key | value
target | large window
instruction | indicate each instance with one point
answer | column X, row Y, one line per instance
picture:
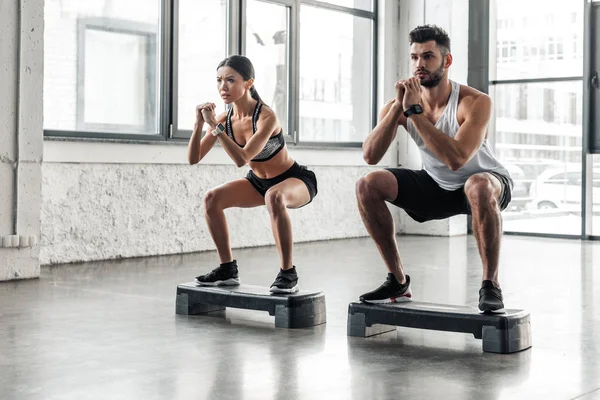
column 102, row 70
column 202, row 44
column 267, row 46
column 538, row 96
column 335, row 66
column 137, row 69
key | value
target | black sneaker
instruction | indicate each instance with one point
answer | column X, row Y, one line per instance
column 490, row 298
column 286, row 282
column 389, row 292
column 224, row 275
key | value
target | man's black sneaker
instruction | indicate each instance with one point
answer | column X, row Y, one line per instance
column 286, row 281
column 224, row 275
column 389, row 292
column 490, row 298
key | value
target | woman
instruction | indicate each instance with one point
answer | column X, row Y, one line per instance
column 250, row 134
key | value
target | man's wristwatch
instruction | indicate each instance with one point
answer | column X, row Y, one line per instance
column 220, row 128
column 414, row 109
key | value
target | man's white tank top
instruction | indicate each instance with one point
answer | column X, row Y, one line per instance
column 482, row 161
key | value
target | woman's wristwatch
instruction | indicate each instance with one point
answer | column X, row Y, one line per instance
column 220, row 128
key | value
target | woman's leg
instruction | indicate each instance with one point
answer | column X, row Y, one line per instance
column 238, row 193
column 291, row 193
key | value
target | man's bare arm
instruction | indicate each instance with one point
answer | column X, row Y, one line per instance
column 456, row 152
column 381, row 137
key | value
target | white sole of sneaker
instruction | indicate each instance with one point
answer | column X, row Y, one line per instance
column 402, row 299
column 274, row 289
column 498, row 311
column 227, row 282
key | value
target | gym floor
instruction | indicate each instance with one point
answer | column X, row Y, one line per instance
column 108, row 330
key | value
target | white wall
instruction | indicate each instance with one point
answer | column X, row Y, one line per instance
column 21, row 78
column 139, row 207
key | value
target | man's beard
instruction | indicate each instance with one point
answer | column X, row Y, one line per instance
column 434, row 79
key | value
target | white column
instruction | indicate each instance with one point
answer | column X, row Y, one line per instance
column 452, row 16
column 21, row 136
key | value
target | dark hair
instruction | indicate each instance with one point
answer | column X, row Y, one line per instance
column 425, row 33
column 244, row 67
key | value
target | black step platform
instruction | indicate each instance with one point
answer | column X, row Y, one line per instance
column 500, row 333
column 297, row 310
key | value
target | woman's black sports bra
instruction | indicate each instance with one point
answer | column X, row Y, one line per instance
column 273, row 145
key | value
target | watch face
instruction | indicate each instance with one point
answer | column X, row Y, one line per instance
column 221, row 127
column 418, row 108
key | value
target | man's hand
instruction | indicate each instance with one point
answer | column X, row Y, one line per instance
column 399, row 92
column 412, row 92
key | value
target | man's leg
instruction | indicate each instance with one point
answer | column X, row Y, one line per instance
column 483, row 192
column 372, row 192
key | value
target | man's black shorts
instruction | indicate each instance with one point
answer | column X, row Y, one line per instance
column 423, row 199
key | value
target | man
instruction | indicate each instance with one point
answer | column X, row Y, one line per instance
column 460, row 174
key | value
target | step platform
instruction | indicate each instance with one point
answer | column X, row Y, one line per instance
column 302, row 309
column 500, row 333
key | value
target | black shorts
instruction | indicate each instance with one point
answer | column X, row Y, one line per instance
column 295, row 171
column 424, row 200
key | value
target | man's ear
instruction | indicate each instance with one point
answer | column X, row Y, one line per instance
column 448, row 60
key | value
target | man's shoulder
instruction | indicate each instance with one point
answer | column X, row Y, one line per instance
column 470, row 93
column 469, row 96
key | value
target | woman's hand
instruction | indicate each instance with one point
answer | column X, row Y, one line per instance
column 203, row 113
column 207, row 113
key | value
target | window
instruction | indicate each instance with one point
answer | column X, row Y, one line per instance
column 539, row 129
column 137, row 69
column 102, row 70
column 202, row 44
column 116, row 85
column 340, row 57
column 546, row 53
column 267, row 46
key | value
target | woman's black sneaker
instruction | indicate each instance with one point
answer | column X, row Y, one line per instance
column 224, row 275
column 389, row 292
column 490, row 298
column 286, row 281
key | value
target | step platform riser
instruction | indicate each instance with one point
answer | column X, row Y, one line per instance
column 500, row 333
column 302, row 309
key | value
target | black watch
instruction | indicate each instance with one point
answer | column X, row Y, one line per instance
column 414, row 109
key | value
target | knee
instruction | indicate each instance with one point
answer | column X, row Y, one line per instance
column 211, row 200
column 480, row 192
column 366, row 188
column 275, row 202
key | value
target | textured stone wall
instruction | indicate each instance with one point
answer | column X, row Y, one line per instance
column 104, row 211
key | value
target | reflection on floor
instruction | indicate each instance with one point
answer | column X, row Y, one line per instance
column 108, row 330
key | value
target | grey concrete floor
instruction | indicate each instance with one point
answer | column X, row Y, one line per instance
column 108, row 330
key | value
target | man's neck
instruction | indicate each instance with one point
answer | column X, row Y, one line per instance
column 437, row 97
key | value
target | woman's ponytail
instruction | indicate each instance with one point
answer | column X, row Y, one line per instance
column 254, row 94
